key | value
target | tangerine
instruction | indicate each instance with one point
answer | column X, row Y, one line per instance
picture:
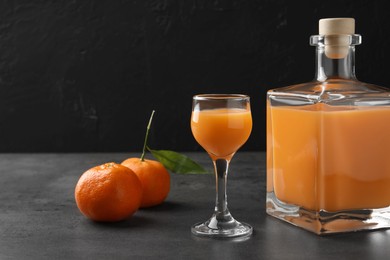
column 108, row 192
column 154, row 177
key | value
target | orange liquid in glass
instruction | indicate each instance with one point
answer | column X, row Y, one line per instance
column 221, row 132
column 330, row 158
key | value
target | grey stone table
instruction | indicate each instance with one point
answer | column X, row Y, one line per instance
column 39, row 218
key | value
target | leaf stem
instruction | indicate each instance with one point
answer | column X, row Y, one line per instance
column 146, row 136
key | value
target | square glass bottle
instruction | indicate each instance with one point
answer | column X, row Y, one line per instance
column 328, row 143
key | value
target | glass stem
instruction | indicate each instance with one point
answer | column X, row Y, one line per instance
column 221, row 167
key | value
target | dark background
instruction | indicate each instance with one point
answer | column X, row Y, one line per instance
column 84, row 76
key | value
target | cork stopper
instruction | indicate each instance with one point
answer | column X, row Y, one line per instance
column 336, row 26
column 336, row 32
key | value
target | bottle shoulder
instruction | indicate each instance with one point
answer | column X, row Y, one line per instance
column 334, row 91
column 331, row 86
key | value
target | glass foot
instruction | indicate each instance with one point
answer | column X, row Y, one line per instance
column 221, row 228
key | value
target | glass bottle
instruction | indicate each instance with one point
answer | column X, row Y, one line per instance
column 328, row 142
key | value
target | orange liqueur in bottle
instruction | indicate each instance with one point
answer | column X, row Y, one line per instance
column 328, row 142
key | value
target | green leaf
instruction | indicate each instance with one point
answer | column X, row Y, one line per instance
column 177, row 163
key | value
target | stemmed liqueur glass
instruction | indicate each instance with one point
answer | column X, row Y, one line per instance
column 221, row 124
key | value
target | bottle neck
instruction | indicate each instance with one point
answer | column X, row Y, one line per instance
column 328, row 67
column 335, row 56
